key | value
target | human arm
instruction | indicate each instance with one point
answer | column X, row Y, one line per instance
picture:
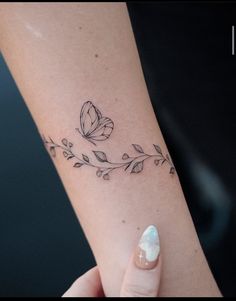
column 62, row 55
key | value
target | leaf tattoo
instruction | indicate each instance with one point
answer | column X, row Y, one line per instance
column 104, row 167
column 85, row 158
column 101, row 156
column 138, row 148
column 93, row 126
column 157, row 148
column 125, row 156
column 138, row 167
column 77, row 164
column 52, row 151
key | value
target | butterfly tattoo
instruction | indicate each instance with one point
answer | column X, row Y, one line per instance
column 94, row 126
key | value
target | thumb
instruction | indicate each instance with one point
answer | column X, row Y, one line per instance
column 142, row 277
column 88, row 285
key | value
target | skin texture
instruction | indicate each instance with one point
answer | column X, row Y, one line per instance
column 62, row 55
column 138, row 281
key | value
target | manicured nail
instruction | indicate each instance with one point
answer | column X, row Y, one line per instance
column 147, row 252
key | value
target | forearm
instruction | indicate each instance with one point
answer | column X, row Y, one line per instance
column 62, row 55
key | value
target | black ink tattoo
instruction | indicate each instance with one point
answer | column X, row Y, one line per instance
column 93, row 126
column 98, row 128
column 103, row 166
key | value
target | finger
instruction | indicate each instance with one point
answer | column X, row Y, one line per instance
column 142, row 277
column 88, row 285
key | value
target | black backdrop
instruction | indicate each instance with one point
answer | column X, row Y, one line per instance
column 185, row 50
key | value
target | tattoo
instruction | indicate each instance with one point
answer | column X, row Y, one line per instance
column 93, row 126
column 98, row 128
column 103, row 166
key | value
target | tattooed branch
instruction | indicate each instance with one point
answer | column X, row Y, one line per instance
column 103, row 166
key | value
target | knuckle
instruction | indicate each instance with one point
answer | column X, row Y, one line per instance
column 138, row 290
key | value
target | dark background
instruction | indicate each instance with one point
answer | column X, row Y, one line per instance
column 185, row 50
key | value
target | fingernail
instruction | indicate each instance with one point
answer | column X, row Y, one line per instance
column 148, row 249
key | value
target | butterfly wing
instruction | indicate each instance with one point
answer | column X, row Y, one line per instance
column 103, row 130
column 93, row 125
column 89, row 118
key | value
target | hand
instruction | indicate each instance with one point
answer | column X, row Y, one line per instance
column 142, row 276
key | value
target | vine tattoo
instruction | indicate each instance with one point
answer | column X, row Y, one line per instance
column 95, row 127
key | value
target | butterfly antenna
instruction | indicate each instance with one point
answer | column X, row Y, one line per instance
column 77, row 129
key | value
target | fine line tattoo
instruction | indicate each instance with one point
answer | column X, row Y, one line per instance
column 98, row 128
column 94, row 126
column 102, row 165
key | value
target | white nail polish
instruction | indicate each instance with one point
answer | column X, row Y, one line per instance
column 148, row 248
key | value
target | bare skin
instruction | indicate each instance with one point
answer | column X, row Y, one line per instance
column 141, row 278
column 64, row 54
